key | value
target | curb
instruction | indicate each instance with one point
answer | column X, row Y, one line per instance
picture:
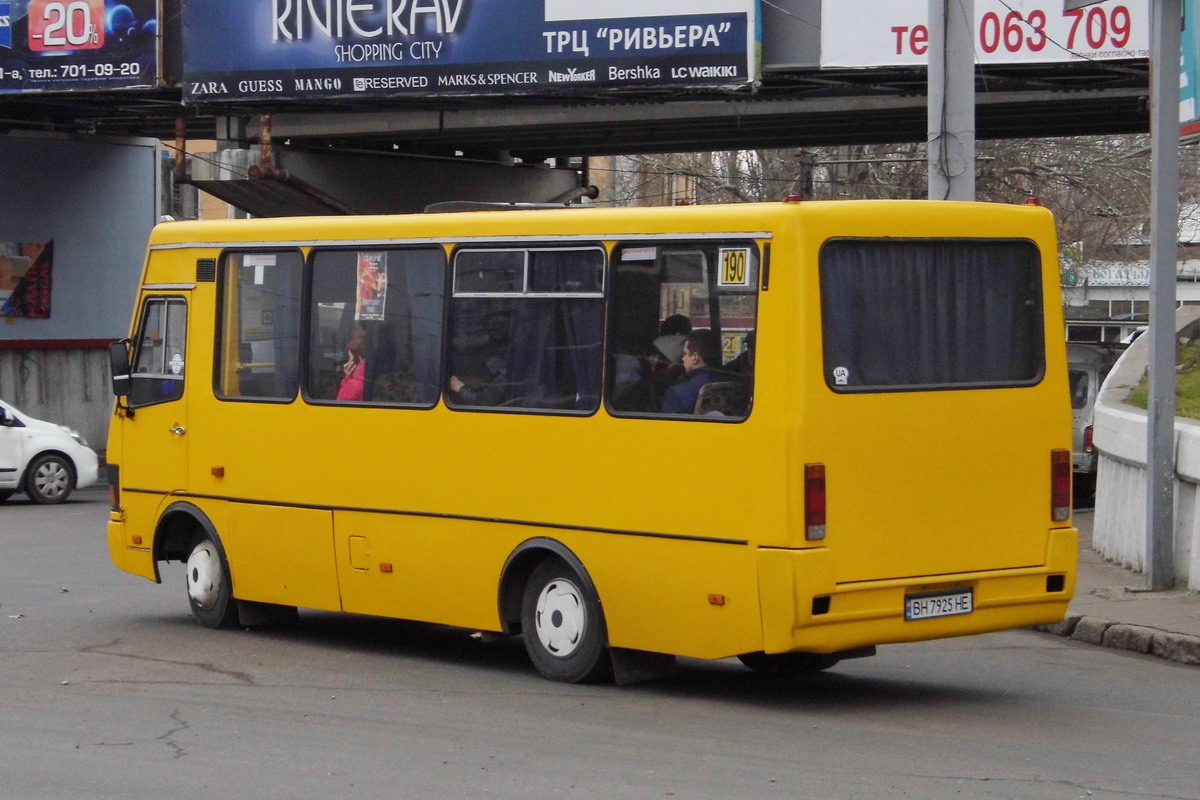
column 1178, row 647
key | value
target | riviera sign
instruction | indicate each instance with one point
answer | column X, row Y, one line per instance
column 298, row 49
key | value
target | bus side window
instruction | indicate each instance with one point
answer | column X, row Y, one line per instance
column 526, row 328
column 661, row 295
column 387, row 305
column 159, row 356
column 259, row 343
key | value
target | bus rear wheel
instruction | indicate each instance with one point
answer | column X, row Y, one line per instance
column 785, row 665
column 210, row 591
column 563, row 625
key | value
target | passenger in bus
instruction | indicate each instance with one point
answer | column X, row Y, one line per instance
column 664, row 360
column 485, row 392
column 631, row 377
column 671, row 333
column 354, row 371
column 700, row 350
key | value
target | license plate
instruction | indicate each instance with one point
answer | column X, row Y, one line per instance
column 938, row 604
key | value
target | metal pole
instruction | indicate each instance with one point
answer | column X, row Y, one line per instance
column 1166, row 16
column 951, row 121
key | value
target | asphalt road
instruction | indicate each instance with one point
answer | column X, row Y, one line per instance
column 109, row 690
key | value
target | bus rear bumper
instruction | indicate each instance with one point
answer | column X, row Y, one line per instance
column 820, row 616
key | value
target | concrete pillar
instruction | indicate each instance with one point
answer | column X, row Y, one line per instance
column 951, row 121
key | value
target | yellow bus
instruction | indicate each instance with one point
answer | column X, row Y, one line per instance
column 784, row 432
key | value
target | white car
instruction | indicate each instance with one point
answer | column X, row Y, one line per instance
column 44, row 460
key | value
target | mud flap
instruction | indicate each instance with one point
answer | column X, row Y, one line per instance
column 632, row 666
column 265, row 615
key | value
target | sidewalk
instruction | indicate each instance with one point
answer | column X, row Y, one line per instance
column 1111, row 608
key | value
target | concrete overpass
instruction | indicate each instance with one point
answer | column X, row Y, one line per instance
column 796, row 104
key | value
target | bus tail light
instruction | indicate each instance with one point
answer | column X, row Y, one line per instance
column 1060, row 485
column 814, row 502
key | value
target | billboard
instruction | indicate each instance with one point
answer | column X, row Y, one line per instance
column 312, row 49
column 78, row 45
column 1189, row 70
column 870, row 33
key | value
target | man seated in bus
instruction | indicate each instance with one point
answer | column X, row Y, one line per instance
column 489, row 391
column 672, row 332
column 701, row 364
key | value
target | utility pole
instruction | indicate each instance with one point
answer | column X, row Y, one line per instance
column 1165, row 22
column 1166, row 19
column 951, row 121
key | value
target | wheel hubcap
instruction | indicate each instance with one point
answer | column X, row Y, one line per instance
column 204, row 575
column 561, row 618
column 50, row 480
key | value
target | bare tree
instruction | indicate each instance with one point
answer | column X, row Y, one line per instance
column 1097, row 187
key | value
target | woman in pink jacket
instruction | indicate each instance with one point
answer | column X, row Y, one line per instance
column 354, row 370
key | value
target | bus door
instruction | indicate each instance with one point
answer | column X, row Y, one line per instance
column 153, row 460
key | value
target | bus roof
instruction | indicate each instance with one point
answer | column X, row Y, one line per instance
column 870, row 217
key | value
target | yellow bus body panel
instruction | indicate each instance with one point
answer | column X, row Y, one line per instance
column 692, row 532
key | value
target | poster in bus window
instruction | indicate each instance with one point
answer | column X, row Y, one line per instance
column 25, row 279
column 372, row 286
column 255, row 302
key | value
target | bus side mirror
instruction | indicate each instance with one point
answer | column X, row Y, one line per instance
column 118, row 362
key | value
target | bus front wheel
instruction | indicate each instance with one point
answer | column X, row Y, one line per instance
column 210, row 591
column 563, row 625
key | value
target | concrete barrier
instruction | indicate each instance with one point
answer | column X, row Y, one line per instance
column 1120, row 438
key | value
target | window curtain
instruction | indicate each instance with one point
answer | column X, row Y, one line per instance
column 924, row 313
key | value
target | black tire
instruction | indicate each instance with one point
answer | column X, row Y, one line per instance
column 210, row 591
column 49, row 479
column 788, row 665
column 563, row 625
column 1084, row 485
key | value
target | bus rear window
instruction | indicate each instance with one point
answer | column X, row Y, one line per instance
column 905, row 314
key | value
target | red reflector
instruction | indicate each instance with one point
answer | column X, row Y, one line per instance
column 385, row 567
column 1060, row 485
column 1032, row 201
column 814, row 502
column 793, row 198
column 716, row 599
column 1087, row 439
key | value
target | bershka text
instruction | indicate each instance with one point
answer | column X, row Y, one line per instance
column 298, row 20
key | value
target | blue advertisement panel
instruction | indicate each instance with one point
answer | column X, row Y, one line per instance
column 1189, row 70
column 272, row 49
column 78, row 45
